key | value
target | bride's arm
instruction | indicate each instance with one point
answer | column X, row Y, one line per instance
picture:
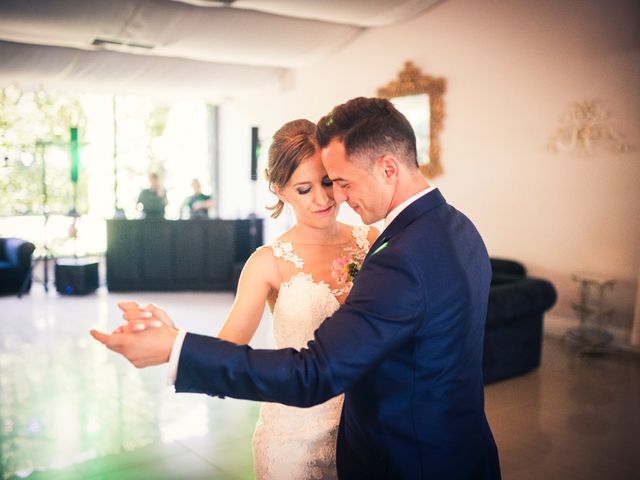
column 258, row 279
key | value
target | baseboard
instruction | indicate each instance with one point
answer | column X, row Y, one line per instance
column 557, row 326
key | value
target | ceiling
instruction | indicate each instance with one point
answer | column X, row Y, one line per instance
column 210, row 48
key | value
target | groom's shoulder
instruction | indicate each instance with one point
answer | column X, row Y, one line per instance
column 430, row 226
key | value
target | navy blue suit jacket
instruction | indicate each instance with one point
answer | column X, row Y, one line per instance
column 406, row 348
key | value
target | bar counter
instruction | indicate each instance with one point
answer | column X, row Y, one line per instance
column 174, row 255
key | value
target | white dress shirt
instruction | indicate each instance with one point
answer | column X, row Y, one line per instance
column 391, row 216
column 175, row 357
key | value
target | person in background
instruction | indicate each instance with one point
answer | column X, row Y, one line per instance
column 199, row 203
column 152, row 200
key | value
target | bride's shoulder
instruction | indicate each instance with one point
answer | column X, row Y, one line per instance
column 262, row 256
column 372, row 234
column 363, row 233
column 262, row 264
column 283, row 248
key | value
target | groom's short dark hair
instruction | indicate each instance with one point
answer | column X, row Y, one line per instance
column 368, row 128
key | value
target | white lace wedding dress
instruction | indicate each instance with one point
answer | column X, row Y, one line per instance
column 292, row 443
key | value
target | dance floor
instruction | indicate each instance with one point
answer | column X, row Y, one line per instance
column 70, row 409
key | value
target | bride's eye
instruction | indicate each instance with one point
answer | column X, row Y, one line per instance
column 304, row 191
column 326, row 182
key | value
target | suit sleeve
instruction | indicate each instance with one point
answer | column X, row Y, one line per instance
column 383, row 311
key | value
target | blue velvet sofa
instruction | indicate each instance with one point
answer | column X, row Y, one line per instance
column 15, row 265
column 513, row 332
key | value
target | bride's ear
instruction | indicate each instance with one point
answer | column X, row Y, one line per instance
column 280, row 194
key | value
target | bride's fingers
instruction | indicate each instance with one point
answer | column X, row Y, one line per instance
column 138, row 326
column 132, row 312
column 128, row 306
column 133, row 315
column 158, row 313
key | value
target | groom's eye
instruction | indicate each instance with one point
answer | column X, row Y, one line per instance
column 326, row 182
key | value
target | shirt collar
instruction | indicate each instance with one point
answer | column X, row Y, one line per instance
column 396, row 211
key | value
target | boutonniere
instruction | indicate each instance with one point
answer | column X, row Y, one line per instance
column 382, row 246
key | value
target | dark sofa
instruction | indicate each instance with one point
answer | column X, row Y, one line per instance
column 15, row 265
column 513, row 332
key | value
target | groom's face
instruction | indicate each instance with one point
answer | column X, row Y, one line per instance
column 360, row 186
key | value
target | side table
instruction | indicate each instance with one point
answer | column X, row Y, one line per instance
column 594, row 313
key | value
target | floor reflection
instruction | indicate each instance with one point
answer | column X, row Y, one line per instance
column 72, row 410
column 65, row 399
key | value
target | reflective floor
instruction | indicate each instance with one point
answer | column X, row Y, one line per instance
column 577, row 417
column 70, row 409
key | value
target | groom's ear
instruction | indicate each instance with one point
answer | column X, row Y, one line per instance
column 388, row 165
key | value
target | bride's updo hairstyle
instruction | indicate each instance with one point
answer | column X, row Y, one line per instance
column 292, row 143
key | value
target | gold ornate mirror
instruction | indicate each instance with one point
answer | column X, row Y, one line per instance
column 419, row 98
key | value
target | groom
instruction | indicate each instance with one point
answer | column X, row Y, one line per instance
column 406, row 347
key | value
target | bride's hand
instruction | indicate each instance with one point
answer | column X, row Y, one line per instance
column 135, row 326
column 148, row 315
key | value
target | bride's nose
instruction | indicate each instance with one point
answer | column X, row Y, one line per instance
column 321, row 197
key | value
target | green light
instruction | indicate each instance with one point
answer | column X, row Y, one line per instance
column 75, row 156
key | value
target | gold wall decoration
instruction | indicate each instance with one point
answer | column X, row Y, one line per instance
column 413, row 90
column 584, row 126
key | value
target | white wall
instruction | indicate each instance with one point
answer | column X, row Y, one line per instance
column 513, row 68
column 236, row 195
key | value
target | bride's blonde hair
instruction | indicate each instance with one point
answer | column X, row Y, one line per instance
column 292, row 143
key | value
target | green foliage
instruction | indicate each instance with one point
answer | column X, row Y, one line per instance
column 33, row 126
column 157, row 121
column 155, row 125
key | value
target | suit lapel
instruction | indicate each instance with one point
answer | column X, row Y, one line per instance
column 422, row 205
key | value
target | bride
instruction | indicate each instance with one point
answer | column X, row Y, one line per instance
column 303, row 277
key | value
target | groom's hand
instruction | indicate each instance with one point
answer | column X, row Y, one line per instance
column 151, row 346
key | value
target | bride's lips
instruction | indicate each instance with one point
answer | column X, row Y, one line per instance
column 324, row 211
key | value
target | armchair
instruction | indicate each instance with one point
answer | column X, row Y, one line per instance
column 15, row 265
column 513, row 331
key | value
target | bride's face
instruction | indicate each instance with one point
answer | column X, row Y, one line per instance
column 310, row 193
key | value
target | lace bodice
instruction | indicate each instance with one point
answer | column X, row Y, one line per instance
column 300, row 443
column 306, row 298
column 301, row 307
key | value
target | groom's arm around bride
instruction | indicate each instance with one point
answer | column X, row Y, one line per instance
column 406, row 346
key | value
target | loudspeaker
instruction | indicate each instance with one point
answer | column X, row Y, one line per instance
column 76, row 276
column 255, row 152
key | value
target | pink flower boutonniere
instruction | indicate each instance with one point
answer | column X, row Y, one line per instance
column 345, row 269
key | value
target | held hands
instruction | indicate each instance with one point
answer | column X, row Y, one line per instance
column 140, row 318
column 146, row 339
